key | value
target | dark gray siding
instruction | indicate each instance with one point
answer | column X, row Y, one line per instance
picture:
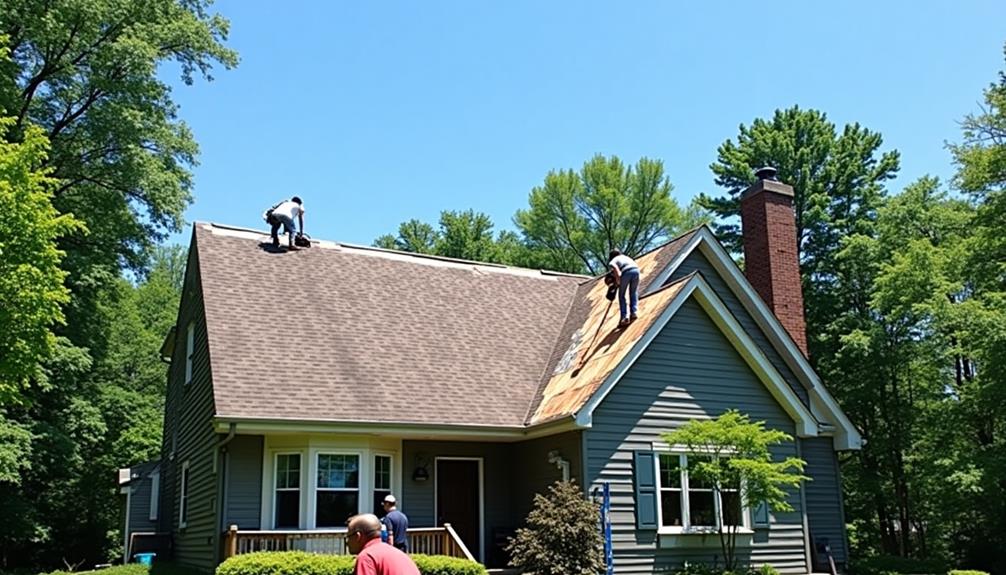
column 531, row 472
column 244, row 482
column 823, row 494
column 696, row 261
column 689, row 370
column 418, row 497
column 140, row 502
column 189, row 436
column 513, row 473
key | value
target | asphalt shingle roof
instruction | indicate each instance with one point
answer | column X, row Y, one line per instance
column 345, row 333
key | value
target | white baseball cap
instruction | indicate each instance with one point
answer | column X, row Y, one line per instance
column 390, row 499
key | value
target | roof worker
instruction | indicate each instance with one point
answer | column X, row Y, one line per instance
column 626, row 273
column 396, row 522
column 284, row 213
column 373, row 557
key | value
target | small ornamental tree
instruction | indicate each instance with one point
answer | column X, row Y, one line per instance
column 735, row 456
column 562, row 535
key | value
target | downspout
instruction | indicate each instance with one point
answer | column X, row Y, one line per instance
column 125, row 539
column 807, row 543
column 221, row 451
column 560, row 462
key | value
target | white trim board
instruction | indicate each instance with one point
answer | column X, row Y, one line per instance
column 846, row 436
column 697, row 286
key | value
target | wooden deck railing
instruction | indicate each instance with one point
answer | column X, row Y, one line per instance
column 430, row 540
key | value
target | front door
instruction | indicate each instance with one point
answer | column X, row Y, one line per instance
column 459, row 497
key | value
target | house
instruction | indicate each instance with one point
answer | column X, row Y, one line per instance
column 305, row 386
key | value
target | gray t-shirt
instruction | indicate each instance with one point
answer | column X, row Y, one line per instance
column 623, row 262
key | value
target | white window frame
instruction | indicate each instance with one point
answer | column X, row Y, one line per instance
column 686, row 526
column 155, row 490
column 190, row 346
column 275, row 488
column 363, row 489
column 373, row 473
column 183, row 496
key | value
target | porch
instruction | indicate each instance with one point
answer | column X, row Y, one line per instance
column 428, row 540
column 463, row 498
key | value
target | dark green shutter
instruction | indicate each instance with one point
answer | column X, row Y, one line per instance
column 646, row 489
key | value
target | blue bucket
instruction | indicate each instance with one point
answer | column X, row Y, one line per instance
column 145, row 558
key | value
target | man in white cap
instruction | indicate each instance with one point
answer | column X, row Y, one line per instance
column 396, row 522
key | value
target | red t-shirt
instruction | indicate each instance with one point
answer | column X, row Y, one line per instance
column 379, row 558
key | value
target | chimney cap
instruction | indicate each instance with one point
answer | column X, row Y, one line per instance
column 766, row 173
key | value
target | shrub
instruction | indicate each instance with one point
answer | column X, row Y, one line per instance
column 287, row 563
column 443, row 565
column 302, row 563
column 704, row 569
column 561, row 537
column 894, row 565
column 967, row 572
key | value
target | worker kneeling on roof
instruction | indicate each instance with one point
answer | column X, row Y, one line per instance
column 626, row 273
column 284, row 214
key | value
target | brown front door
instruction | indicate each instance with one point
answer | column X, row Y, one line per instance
column 458, row 500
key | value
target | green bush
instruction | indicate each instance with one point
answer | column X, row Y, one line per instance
column 560, row 536
column 704, row 569
column 443, row 565
column 967, row 572
column 302, row 563
column 287, row 563
column 894, row 565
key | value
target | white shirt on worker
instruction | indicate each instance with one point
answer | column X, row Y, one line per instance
column 289, row 209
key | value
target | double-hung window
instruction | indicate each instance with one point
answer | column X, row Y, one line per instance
column 337, row 496
column 689, row 503
column 382, row 482
column 287, row 500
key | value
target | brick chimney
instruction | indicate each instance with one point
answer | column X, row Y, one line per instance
column 771, row 263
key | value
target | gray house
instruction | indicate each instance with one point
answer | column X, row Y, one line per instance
column 305, row 386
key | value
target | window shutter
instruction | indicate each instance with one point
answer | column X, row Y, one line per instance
column 645, row 474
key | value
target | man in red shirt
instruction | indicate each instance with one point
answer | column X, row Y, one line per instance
column 373, row 557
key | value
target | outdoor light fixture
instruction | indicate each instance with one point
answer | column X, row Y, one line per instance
column 421, row 474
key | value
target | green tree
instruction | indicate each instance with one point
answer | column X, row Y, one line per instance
column 838, row 183
column 413, row 236
column 576, row 218
column 733, row 453
column 86, row 71
column 561, row 535
column 31, row 281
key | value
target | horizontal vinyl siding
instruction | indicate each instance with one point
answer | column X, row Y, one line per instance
column 189, row 436
column 532, row 474
column 139, row 506
column 697, row 262
column 244, row 482
column 824, row 502
column 689, row 371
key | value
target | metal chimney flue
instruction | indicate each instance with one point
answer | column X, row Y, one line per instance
column 767, row 173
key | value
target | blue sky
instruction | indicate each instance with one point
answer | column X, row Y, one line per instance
column 376, row 112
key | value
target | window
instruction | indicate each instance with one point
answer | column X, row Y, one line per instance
column 338, row 489
column 183, row 500
column 287, row 500
column 687, row 503
column 382, row 482
column 155, row 490
column 190, row 338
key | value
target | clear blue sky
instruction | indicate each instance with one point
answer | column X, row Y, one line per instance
column 377, row 112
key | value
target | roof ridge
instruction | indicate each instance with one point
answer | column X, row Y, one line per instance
column 417, row 255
